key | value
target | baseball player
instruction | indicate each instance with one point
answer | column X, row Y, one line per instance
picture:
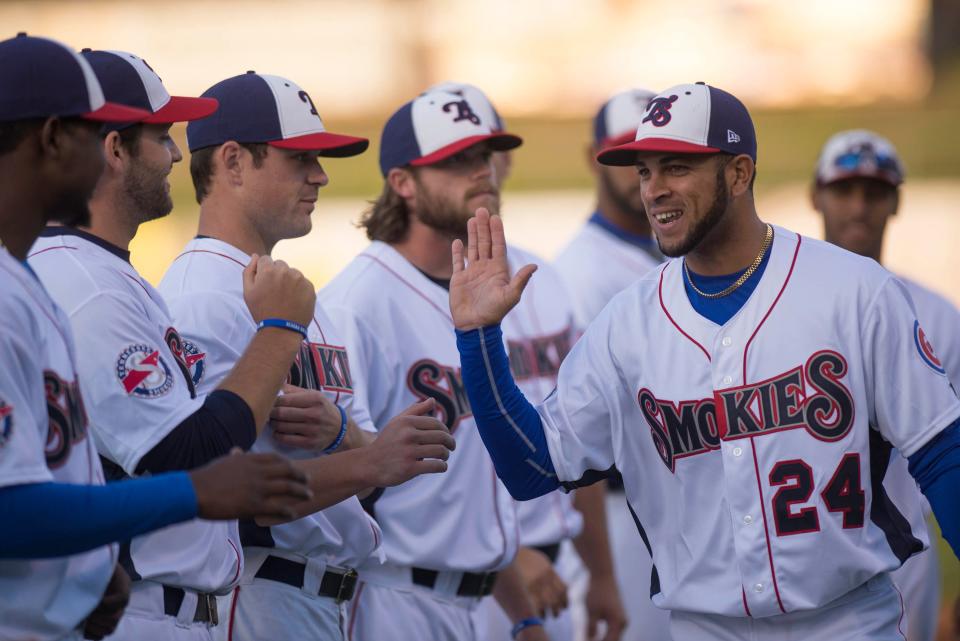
column 612, row 250
column 51, row 481
column 750, row 391
column 447, row 539
column 857, row 190
column 141, row 375
column 256, row 173
column 548, row 524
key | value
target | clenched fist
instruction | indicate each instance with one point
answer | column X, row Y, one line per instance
column 273, row 289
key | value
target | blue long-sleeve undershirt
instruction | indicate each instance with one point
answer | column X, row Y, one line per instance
column 936, row 468
column 44, row 520
column 509, row 425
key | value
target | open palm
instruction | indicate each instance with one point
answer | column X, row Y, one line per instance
column 481, row 289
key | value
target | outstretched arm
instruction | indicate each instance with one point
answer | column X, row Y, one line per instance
column 936, row 468
column 481, row 294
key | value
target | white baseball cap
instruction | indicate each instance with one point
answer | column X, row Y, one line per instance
column 617, row 120
column 859, row 153
column 478, row 100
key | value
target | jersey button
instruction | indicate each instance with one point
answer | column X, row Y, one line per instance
column 748, row 519
column 758, row 587
column 727, row 341
column 737, row 451
column 726, row 380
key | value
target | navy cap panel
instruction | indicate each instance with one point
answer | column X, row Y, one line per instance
column 119, row 80
column 40, row 78
column 248, row 113
column 731, row 128
column 398, row 142
column 600, row 124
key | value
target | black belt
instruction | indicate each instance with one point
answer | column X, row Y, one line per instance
column 552, row 551
column 471, row 584
column 206, row 611
column 338, row 585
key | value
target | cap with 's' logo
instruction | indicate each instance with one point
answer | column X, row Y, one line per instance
column 617, row 120
column 40, row 78
column 689, row 119
column 435, row 126
column 260, row 108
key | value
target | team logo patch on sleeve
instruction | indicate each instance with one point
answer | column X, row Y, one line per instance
column 143, row 372
column 925, row 349
column 6, row 423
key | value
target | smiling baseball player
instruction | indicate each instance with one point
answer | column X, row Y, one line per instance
column 750, row 392
column 857, row 190
column 51, row 481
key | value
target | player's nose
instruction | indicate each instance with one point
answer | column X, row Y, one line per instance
column 653, row 187
column 317, row 176
column 175, row 153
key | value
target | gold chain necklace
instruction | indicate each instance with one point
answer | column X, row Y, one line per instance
column 743, row 277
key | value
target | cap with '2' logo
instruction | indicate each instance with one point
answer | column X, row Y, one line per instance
column 260, row 108
column 689, row 119
column 433, row 127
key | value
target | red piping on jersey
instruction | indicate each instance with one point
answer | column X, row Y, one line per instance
column 52, row 248
column 900, row 620
column 746, row 608
column 207, row 251
column 679, row 329
column 353, row 610
column 239, row 561
column 233, row 612
column 137, row 281
column 408, row 284
column 766, row 530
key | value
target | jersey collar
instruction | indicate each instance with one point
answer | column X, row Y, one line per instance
column 51, row 232
column 646, row 243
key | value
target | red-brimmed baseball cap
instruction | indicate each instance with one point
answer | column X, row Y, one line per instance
column 260, row 108
column 129, row 80
column 40, row 78
column 616, row 122
column 689, row 119
column 859, row 153
column 434, row 126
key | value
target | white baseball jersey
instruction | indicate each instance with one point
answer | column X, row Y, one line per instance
column 397, row 326
column 43, row 438
column 204, row 288
column 539, row 335
column 596, row 265
column 754, row 451
column 138, row 376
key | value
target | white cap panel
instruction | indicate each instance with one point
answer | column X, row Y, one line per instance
column 686, row 117
column 440, row 119
column 296, row 111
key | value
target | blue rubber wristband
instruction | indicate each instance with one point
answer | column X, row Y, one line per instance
column 293, row 326
column 343, row 432
column 523, row 625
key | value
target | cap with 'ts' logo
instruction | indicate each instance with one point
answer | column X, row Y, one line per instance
column 435, row 126
column 689, row 119
column 617, row 120
column 478, row 100
column 40, row 78
column 129, row 80
column 259, row 108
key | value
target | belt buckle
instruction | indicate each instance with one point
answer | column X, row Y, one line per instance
column 208, row 602
column 344, row 579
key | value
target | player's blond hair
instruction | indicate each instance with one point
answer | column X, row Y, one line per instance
column 388, row 217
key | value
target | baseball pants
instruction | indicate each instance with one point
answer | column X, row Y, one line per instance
column 871, row 612
column 633, row 566
column 144, row 618
column 919, row 583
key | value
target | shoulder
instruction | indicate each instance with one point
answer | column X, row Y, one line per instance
column 931, row 305
column 200, row 269
column 836, row 265
column 365, row 281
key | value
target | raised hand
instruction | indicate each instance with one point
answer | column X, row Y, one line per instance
column 273, row 289
column 243, row 486
column 482, row 290
column 410, row 444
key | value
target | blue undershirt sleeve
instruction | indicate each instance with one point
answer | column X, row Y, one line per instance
column 43, row 520
column 936, row 468
column 509, row 425
column 223, row 422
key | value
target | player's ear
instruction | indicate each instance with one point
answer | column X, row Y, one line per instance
column 113, row 151
column 51, row 137
column 229, row 158
column 742, row 169
column 402, row 182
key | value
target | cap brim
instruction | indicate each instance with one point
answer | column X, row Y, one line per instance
column 623, row 155
column 326, row 143
column 888, row 177
column 112, row 112
column 616, row 141
column 183, row 109
column 496, row 142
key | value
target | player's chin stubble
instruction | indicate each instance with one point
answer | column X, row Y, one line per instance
column 705, row 225
column 147, row 193
column 445, row 217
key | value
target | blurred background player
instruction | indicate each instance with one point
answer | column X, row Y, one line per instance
column 51, row 481
column 857, row 191
column 551, row 524
column 449, row 541
column 140, row 375
column 257, row 175
column 612, row 250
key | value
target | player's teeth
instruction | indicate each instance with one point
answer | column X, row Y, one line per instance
column 666, row 217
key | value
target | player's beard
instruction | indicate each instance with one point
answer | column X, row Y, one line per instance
column 146, row 192
column 721, row 200
column 447, row 217
column 621, row 200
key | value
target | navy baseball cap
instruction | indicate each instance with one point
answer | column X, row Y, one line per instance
column 617, row 119
column 40, row 78
column 689, row 119
column 434, row 126
column 128, row 79
column 859, row 153
column 260, row 108
column 478, row 100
